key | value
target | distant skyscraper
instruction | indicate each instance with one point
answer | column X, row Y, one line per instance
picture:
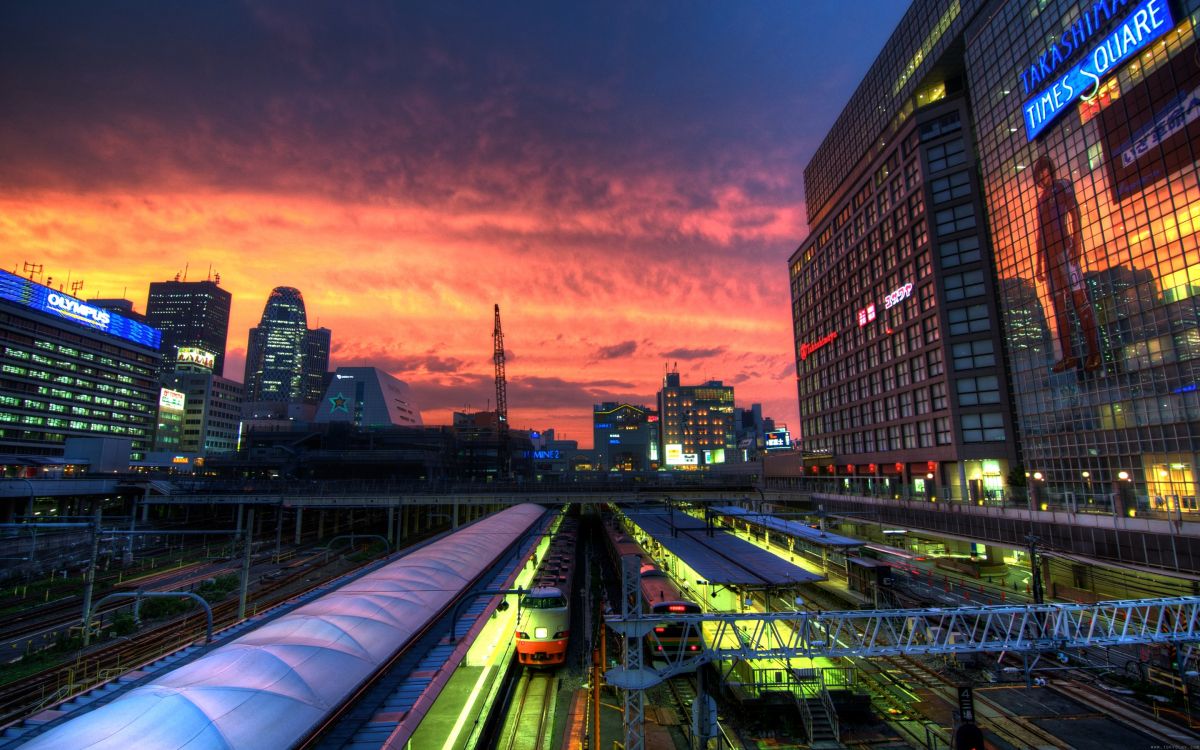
column 189, row 314
column 285, row 361
column 316, row 363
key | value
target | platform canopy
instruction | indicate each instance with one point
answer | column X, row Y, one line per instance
column 791, row 528
column 721, row 559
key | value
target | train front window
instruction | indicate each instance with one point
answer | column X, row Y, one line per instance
column 544, row 602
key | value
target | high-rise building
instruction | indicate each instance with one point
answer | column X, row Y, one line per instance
column 189, row 314
column 72, row 369
column 697, row 425
column 1000, row 283
column 285, row 361
column 625, row 437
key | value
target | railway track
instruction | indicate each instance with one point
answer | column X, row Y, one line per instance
column 529, row 724
column 28, row 695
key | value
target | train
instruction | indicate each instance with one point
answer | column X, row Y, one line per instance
column 897, row 559
column 660, row 595
column 544, row 624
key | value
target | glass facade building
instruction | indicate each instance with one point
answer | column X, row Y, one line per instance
column 1093, row 197
column 285, row 361
column 999, row 285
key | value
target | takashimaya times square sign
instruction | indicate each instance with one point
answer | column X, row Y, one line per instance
column 1148, row 21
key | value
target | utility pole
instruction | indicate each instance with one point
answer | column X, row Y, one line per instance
column 1035, row 565
column 89, row 580
column 249, row 532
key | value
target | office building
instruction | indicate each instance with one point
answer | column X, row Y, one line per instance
column 211, row 405
column 625, row 437
column 285, row 361
column 71, row 369
column 190, row 314
column 697, row 423
column 368, row 397
column 1000, row 281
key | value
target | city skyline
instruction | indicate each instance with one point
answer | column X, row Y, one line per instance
column 625, row 182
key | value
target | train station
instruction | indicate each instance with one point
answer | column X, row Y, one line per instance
column 705, row 619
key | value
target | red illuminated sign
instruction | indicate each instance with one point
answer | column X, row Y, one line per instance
column 866, row 315
column 807, row 349
column 899, row 468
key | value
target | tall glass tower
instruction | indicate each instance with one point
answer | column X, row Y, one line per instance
column 282, row 355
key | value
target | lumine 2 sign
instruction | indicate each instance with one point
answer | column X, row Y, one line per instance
column 1148, row 21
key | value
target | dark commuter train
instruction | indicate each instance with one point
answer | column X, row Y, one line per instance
column 660, row 595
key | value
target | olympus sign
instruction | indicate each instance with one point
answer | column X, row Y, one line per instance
column 78, row 310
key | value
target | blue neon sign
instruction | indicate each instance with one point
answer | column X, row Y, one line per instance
column 1146, row 23
column 46, row 300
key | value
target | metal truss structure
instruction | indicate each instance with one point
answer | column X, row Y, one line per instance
column 1028, row 629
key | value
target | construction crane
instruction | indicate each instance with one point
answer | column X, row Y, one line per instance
column 503, row 451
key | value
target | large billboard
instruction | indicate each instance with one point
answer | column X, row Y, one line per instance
column 64, row 306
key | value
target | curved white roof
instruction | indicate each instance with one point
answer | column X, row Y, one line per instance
column 270, row 687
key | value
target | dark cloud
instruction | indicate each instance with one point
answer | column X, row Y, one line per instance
column 452, row 105
column 616, row 351
column 533, row 394
column 684, row 353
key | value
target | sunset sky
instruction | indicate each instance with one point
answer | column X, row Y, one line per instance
column 625, row 180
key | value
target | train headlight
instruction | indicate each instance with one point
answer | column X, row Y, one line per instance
column 522, row 635
column 540, row 632
column 562, row 634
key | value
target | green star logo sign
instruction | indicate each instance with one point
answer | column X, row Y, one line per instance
column 338, row 403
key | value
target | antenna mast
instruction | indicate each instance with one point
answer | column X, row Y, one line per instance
column 504, row 459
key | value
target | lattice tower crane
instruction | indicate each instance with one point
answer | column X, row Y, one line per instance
column 503, row 449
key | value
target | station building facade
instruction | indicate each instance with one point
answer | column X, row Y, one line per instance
column 1000, row 285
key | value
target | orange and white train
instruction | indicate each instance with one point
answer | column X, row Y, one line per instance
column 544, row 622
